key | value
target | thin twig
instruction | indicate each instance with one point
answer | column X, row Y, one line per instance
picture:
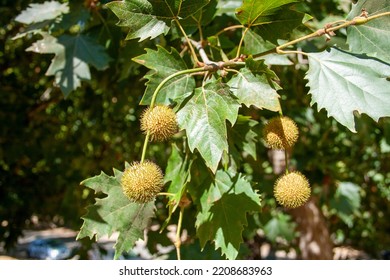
column 286, row 160
column 241, row 42
column 320, row 32
column 323, row 31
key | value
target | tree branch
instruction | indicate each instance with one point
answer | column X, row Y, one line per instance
column 327, row 30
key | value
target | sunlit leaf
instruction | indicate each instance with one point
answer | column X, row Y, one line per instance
column 137, row 16
column 73, row 55
column 343, row 83
column 257, row 12
column 48, row 10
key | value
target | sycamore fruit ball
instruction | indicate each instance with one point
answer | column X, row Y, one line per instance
column 160, row 121
column 292, row 190
column 280, row 133
column 141, row 182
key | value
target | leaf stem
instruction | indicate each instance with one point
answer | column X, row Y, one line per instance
column 241, row 42
column 286, row 160
column 198, row 23
column 145, row 147
column 166, row 194
column 193, row 53
column 293, row 52
column 178, row 233
column 229, row 28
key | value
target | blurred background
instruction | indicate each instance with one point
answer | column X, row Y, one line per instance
column 49, row 144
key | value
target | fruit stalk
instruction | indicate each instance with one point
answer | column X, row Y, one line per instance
column 153, row 101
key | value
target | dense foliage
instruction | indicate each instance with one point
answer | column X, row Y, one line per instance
column 83, row 115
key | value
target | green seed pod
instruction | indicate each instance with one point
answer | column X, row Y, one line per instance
column 160, row 121
column 280, row 133
column 141, row 182
column 292, row 190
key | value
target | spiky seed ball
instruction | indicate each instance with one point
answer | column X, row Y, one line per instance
column 280, row 133
column 292, row 190
column 141, row 182
column 160, row 121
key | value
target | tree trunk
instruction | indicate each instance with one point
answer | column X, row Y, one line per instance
column 314, row 240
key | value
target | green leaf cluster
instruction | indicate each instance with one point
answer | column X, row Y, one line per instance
column 225, row 67
column 209, row 103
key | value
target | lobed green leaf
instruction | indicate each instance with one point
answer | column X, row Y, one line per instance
column 204, row 116
column 163, row 64
column 137, row 16
column 223, row 206
column 149, row 19
column 115, row 213
column 254, row 90
column 280, row 26
column 271, row 19
column 257, row 12
column 343, row 83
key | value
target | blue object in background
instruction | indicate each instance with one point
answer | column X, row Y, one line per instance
column 48, row 249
